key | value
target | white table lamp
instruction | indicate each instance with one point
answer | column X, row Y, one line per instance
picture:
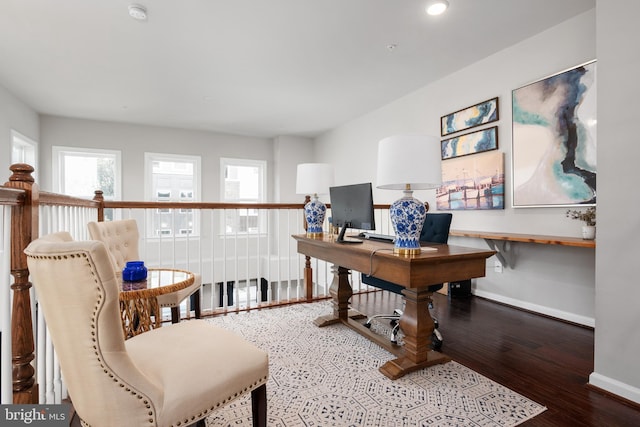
column 314, row 179
column 408, row 162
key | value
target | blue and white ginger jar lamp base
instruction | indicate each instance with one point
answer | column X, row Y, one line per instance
column 407, row 216
column 314, row 213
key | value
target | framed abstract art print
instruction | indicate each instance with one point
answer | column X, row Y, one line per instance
column 472, row 182
column 470, row 117
column 554, row 140
column 470, row 143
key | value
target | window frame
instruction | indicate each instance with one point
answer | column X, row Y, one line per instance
column 152, row 194
column 261, row 220
column 57, row 153
column 21, row 141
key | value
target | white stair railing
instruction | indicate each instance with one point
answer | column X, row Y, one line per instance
column 240, row 270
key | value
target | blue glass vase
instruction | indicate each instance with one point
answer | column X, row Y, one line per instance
column 134, row 271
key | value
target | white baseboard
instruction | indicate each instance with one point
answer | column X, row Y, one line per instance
column 559, row 314
column 614, row 386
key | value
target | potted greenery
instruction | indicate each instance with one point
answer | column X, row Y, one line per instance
column 589, row 219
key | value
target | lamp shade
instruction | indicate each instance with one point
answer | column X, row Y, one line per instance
column 407, row 163
column 409, row 160
column 314, row 178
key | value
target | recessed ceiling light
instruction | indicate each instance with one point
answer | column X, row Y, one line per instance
column 138, row 12
column 436, row 7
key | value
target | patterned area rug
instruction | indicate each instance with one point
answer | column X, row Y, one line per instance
column 329, row 377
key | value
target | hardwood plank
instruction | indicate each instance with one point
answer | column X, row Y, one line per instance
column 546, row 360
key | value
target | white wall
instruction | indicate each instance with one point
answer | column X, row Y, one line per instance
column 135, row 140
column 282, row 153
column 554, row 280
column 554, row 50
column 288, row 152
column 558, row 281
column 617, row 336
column 14, row 115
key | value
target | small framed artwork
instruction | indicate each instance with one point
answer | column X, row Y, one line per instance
column 470, row 117
column 470, row 143
column 554, row 140
column 472, row 182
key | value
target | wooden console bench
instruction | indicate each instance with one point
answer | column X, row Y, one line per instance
column 500, row 242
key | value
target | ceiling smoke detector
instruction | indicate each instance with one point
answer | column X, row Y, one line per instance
column 138, row 12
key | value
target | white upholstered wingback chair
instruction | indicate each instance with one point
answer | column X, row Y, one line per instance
column 121, row 238
column 172, row 376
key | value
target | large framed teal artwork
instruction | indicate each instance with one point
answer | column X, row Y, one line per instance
column 554, row 140
column 477, row 115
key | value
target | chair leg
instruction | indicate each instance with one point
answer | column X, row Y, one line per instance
column 259, row 406
column 195, row 303
column 175, row 314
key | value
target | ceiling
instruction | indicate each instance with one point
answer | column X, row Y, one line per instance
column 251, row 67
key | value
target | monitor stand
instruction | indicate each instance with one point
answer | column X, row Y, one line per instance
column 342, row 239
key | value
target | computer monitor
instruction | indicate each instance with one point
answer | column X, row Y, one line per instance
column 352, row 207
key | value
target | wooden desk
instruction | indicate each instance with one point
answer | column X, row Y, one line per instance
column 138, row 300
column 445, row 264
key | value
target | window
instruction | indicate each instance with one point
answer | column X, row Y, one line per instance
column 243, row 181
column 24, row 150
column 172, row 178
column 79, row 172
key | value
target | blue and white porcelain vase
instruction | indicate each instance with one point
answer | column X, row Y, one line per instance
column 407, row 216
column 314, row 213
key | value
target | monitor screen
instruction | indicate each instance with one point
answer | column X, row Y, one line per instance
column 352, row 207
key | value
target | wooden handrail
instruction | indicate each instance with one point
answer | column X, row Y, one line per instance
column 23, row 195
column 119, row 204
column 198, row 205
column 55, row 199
column 11, row 196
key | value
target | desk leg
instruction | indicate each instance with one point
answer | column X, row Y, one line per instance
column 340, row 292
column 417, row 325
column 308, row 278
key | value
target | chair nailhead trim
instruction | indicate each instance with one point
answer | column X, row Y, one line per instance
column 206, row 412
column 93, row 325
column 107, row 371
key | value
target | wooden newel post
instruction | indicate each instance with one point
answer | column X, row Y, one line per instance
column 24, row 228
column 99, row 197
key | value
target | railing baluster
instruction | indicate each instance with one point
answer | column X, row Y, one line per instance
column 6, row 395
column 57, row 378
column 41, row 360
column 247, row 277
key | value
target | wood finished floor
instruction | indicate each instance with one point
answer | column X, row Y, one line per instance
column 546, row 360
column 543, row 359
